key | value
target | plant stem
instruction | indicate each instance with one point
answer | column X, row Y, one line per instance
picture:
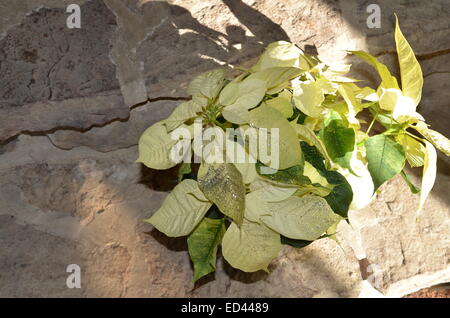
column 371, row 124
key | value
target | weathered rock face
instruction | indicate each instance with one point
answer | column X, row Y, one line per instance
column 73, row 104
column 48, row 70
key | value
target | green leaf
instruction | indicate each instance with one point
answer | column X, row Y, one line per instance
column 289, row 148
column 313, row 156
column 181, row 210
column 410, row 71
column 293, row 175
column 341, row 195
column 155, row 146
column 414, row 189
column 304, row 218
column 299, row 243
column 386, row 158
column 415, row 150
column 185, row 168
column 387, row 80
column 202, row 245
column 338, row 139
column 307, row 134
column 384, row 119
column 208, row 84
column 250, row 247
column 294, row 243
column 222, row 184
column 429, row 173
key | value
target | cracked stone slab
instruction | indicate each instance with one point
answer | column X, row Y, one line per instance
column 49, row 70
column 76, row 113
column 118, row 134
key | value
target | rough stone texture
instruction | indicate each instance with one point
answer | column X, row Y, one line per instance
column 72, row 112
column 119, row 134
column 44, row 62
column 400, row 246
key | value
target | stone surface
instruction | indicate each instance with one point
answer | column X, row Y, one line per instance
column 400, row 247
column 116, row 135
column 46, row 68
column 74, row 103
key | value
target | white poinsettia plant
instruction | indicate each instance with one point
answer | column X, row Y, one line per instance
column 327, row 163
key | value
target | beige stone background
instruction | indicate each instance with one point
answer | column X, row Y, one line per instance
column 73, row 104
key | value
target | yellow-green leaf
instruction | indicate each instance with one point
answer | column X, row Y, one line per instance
column 314, row 175
column 243, row 161
column 389, row 98
column 276, row 78
column 202, row 245
column 236, row 114
column 282, row 54
column 181, row 210
column 307, row 134
column 270, row 191
column 255, row 207
column 353, row 107
column 250, row 247
column 208, row 84
column 282, row 103
column 229, row 94
column 222, row 184
column 415, row 150
column 289, row 147
column 308, row 98
column 183, row 112
column 249, row 94
column 387, row 80
column 429, row 173
column 303, row 218
column 410, row 71
column 155, row 147
column 438, row 140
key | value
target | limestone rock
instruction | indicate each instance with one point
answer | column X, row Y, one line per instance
column 48, row 71
column 118, row 134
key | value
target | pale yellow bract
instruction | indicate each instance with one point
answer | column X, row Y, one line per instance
column 329, row 159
